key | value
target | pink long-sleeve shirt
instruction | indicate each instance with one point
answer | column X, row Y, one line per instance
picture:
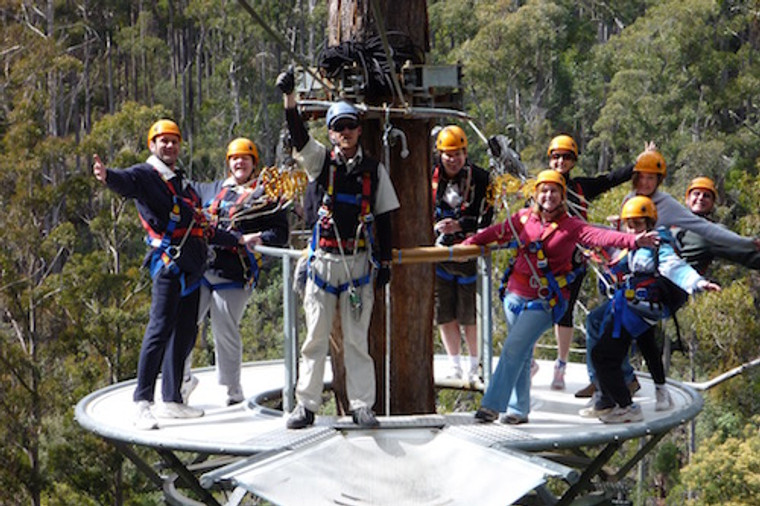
column 559, row 239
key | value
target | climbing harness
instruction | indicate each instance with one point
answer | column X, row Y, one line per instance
column 165, row 254
column 362, row 240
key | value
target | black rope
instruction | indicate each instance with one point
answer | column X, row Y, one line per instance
column 369, row 56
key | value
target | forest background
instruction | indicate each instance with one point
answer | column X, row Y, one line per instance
column 86, row 76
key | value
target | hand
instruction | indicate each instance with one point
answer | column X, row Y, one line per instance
column 286, row 81
column 647, row 239
column 448, row 226
column 251, row 240
column 708, row 286
column 650, row 146
column 99, row 169
column 383, row 276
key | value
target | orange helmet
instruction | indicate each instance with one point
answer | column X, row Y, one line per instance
column 451, row 138
column 551, row 176
column 703, row 183
column 161, row 127
column 651, row 162
column 563, row 142
column 243, row 146
column 639, row 207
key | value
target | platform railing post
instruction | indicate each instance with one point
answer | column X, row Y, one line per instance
column 485, row 324
column 290, row 330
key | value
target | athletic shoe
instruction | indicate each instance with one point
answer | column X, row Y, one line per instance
column 558, row 383
column 594, row 411
column 634, row 386
column 512, row 419
column 145, row 419
column 586, row 392
column 365, row 418
column 628, row 414
column 188, row 385
column 177, row 410
column 485, row 415
column 454, row 374
column 664, row 402
column 300, row 418
column 533, row 368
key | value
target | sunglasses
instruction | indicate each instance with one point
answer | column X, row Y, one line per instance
column 566, row 156
column 339, row 126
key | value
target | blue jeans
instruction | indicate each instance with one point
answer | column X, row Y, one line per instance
column 596, row 321
column 512, row 375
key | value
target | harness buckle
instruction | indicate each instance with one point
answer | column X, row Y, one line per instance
column 173, row 251
column 544, row 292
column 641, row 293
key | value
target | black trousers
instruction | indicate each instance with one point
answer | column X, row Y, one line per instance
column 608, row 357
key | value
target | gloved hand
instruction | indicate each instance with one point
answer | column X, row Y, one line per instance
column 383, row 276
column 286, row 81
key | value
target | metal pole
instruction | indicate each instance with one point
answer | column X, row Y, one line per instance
column 290, row 330
column 485, row 330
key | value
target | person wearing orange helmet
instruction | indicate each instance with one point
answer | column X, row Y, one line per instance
column 649, row 172
column 563, row 154
column 460, row 209
column 233, row 272
column 701, row 198
column 170, row 210
column 645, row 279
column 545, row 236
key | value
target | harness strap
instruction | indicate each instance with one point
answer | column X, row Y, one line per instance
column 461, row 280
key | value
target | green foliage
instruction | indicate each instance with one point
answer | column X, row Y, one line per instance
column 724, row 470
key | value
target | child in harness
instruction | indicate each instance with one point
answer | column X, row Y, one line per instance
column 649, row 285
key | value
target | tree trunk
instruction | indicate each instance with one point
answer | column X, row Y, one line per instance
column 412, row 286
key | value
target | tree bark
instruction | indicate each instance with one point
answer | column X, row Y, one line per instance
column 412, row 286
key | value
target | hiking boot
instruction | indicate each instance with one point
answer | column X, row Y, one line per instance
column 187, row 387
column 485, row 415
column 145, row 419
column 300, row 418
column 586, row 392
column 235, row 395
column 177, row 410
column 634, row 386
column 558, row 383
column 512, row 419
column 664, row 401
column 364, row 418
column 628, row 414
column 533, row 368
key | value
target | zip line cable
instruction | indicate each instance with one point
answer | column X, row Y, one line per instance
column 282, row 44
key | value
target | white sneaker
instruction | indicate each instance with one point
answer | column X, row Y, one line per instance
column 455, row 373
column 628, row 414
column 664, row 401
column 145, row 419
column 558, row 383
column 177, row 410
column 188, row 385
column 593, row 412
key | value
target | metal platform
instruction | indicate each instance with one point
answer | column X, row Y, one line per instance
column 426, row 455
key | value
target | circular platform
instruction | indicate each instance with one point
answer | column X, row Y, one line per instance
column 246, row 429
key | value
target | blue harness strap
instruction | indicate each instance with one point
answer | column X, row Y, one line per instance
column 460, row 280
column 164, row 253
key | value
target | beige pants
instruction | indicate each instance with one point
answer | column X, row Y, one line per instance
column 320, row 307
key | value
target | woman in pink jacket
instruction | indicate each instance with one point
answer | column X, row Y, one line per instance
column 545, row 236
